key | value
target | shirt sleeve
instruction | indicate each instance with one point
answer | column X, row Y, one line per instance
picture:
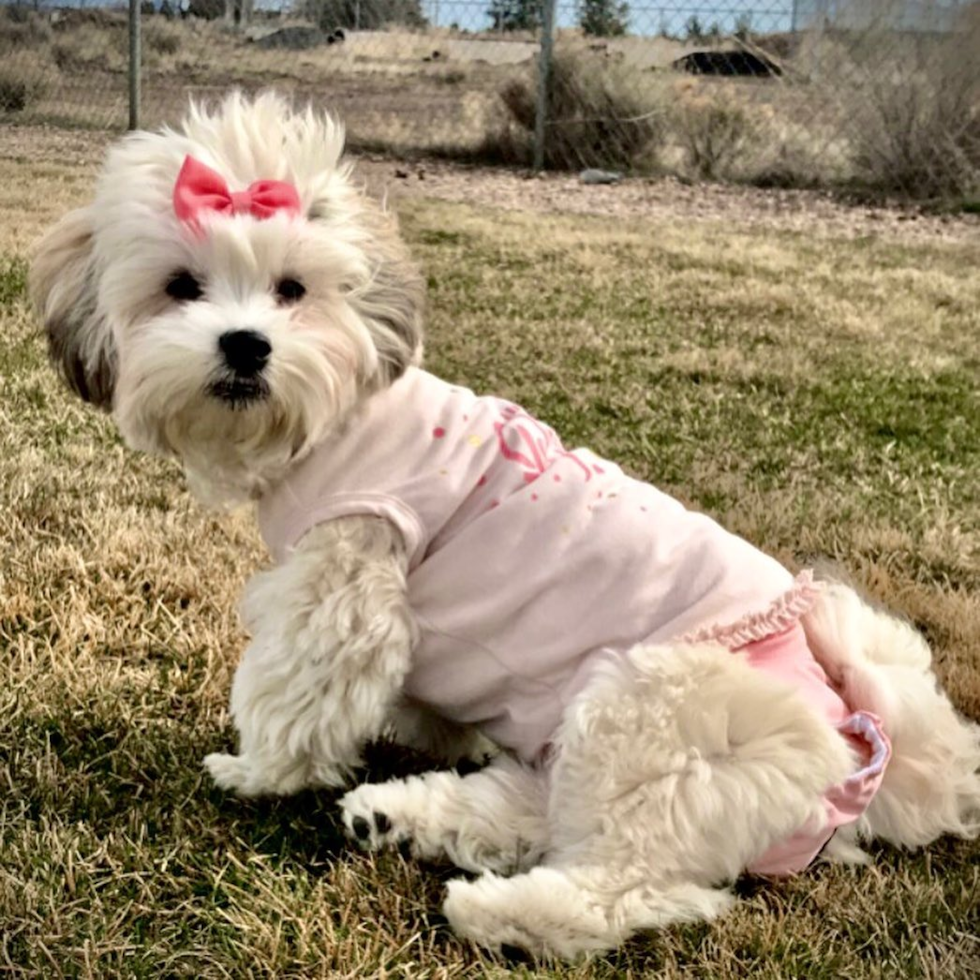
column 359, row 504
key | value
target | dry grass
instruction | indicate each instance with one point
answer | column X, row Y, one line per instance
column 819, row 396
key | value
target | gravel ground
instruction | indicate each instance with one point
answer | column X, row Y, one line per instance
column 666, row 198
column 663, row 199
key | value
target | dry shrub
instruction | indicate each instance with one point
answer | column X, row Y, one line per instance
column 920, row 136
column 19, row 89
column 162, row 39
column 70, row 56
column 71, row 18
column 790, row 159
column 504, row 143
column 915, row 116
column 718, row 133
column 721, row 132
column 598, row 115
column 20, row 28
column 103, row 46
column 66, row 57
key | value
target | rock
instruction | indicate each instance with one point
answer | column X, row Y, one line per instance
column 600, row 177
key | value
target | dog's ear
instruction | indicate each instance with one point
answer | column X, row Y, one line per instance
column 392, row 301
column 63, row 286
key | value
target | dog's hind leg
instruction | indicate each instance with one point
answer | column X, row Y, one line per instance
column 332, row 640
column 495, row 818
column 564, row 913
column 677, row 767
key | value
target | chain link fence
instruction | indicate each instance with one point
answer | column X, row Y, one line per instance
column 881, row 94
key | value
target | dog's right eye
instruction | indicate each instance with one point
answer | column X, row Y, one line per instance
column 183, row 286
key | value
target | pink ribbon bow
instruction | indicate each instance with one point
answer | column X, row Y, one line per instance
column 199, row 188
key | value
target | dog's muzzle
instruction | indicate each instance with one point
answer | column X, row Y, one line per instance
column 245, row 354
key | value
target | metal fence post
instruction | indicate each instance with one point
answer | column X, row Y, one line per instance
column 134, row 64
column 544, row 73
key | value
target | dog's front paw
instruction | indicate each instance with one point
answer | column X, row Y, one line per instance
column 367, row 822
column 230, row 772
column 257, row 774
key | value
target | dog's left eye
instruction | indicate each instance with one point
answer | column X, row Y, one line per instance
column 290, row 290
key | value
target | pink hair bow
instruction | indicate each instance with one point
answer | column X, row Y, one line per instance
column 199, row 188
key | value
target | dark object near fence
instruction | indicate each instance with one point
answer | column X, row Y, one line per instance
column 727, row 63
column 295, row 38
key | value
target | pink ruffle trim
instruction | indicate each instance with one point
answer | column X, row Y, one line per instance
column 780, row 616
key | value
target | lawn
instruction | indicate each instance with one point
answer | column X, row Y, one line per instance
column 817, row 394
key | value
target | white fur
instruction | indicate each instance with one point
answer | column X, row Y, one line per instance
column 882, row 665
column 332, row 638
column 99, row 276
column 674, row 769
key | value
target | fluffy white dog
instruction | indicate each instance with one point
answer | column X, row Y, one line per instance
column 672, row 706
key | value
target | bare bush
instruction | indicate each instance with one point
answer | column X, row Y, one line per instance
column 19, row 89
column 717, row 133
column 161, row 38
column 597, row 116
column 915, row 126
column 788, row 158
column 20, row 28
column 91, row 47
column 920, row 136
column 99, row 44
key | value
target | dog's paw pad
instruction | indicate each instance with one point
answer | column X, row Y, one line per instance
column 361, row 828
column 370, row 827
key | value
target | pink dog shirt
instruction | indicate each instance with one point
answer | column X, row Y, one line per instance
column 529, row 562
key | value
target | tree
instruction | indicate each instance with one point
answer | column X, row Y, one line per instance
column 743, row 28
column 206, row 9
column 697, row 32
column 516, row 15
column 603, row 18
column 239, row 12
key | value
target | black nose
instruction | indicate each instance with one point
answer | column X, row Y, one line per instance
column 245, row 351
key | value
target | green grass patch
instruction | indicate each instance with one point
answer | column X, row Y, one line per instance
column 13, row 279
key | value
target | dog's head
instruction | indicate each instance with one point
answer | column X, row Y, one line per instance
column 229, row 295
